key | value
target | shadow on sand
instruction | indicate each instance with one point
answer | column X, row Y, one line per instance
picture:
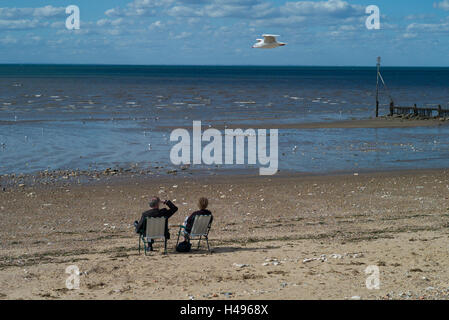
column 216, row 250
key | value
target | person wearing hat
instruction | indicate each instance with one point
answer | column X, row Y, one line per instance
column 156, row 212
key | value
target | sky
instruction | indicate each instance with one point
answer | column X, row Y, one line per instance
column 221, row 32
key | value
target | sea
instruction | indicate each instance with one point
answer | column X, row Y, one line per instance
column 93, row 117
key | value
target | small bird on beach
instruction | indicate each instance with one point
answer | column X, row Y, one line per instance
column 268, row 42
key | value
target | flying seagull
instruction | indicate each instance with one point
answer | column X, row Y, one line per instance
column 268, row 42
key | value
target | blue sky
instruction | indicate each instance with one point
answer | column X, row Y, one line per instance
column 320, row 32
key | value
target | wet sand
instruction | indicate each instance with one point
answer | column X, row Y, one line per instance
column 381, row 122
column 282, row 237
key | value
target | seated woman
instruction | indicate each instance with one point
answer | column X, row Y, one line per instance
column 188, row 222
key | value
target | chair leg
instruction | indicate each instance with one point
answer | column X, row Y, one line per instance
column 207, row 241
column 165, row 246
column 179, row 233
column 139, row 244
column 199, row 243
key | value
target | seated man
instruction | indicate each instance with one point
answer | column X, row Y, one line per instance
column 188, row 222
column 156, row 213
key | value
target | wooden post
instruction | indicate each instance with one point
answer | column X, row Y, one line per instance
column 377, row 87
column 415, row 110
column 391, row 108
column 440, row 111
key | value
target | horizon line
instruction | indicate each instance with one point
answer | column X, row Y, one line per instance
column 215, row 65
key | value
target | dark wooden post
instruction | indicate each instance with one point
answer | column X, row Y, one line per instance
column 415, row 110
column 377, row 87
column 440, row 111
column 391, row 108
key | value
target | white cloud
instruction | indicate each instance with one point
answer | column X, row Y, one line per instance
column 23, row 13
column 184, row 11
column 335, row 8
column 48, row 11
column 58, row 25
column 23, row 24
column 287, row 14
column 410, row 35
column 156, row 25
column 280, row 21
column 348, row 28
column 138, row 8
column 420, row 17
column 428, row 27
column 250, row 9
column 28, row 18
column 182, row 35
column 442, row 5
column 110, row 22
column 8, row 40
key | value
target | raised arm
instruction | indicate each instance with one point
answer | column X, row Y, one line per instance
column 172, row 209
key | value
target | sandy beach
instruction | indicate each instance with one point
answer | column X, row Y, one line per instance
column 289, row 236
column 315, row 132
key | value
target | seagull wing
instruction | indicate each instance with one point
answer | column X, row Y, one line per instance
column 269, row 38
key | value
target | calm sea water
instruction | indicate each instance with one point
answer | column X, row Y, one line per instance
column 69, row 117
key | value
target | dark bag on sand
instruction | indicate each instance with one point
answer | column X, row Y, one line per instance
column 183, row 246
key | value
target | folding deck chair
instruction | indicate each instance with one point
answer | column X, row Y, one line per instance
column 155, row 229
column 201, row 227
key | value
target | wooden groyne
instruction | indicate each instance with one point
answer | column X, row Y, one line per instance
column 414, row 111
